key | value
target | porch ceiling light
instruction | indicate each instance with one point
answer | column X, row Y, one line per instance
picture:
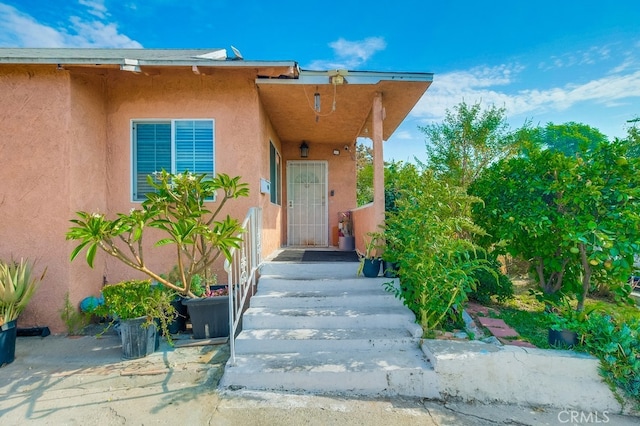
column 304, row 150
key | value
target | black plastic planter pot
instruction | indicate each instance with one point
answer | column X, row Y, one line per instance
column 138, row 340
column 562, row 338
column 389, row 269
column 8, row 334
column 179, row 323
column 371, row 267
column 209, row 316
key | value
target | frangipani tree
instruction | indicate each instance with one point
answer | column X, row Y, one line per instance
column 178, row 208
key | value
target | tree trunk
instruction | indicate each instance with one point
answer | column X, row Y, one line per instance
column 586, row 277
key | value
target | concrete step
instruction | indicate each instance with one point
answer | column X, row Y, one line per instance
column 320, row 328
column 328, row 317
column 380, row 373
column 318, row 340
column 315, row 270
column 318, row 300
column 334, row 286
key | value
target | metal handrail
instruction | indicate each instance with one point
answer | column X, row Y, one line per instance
column 242, row 270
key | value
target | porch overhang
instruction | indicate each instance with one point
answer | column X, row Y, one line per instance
column 346, row 99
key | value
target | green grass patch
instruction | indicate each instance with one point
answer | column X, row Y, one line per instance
column 531, row 326
column 526, row 314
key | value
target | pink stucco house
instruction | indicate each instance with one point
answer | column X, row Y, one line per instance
column 81, row 128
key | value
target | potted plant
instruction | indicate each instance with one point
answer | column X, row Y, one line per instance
column 564, row 327
column 369, row 260
column 17, row 286
column 139, row 307
column 209, row 313
column 346, row 240
column 179, row 210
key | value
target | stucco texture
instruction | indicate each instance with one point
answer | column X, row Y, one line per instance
column 67, row 147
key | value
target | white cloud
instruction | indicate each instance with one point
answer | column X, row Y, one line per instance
column 358, row 51
column 491, row 86
column 589, row 56
column 350, row 54
column 96, row 7
column 98, row 34
column 18, row 29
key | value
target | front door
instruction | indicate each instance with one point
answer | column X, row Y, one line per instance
column 307, row 213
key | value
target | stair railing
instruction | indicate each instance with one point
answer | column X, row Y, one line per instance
column 242, row 271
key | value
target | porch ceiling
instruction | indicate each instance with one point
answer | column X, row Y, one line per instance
column 290, row 105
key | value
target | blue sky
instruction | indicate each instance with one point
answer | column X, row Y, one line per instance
column 545, row 61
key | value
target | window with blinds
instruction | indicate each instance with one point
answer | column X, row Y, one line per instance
column 173, row 145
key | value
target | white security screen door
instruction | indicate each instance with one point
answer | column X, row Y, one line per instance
column 307, row 203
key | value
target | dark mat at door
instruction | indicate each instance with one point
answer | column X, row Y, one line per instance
column 316, row 256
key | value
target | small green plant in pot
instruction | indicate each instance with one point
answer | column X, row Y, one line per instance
column 209, row 313
column 140, row 308
column 565, row 325
column 370, row 261
column 17, row 286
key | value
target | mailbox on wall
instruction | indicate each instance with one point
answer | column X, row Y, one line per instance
column 265, row 186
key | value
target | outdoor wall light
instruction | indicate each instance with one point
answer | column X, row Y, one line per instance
column 316, row 101
column 304, row 150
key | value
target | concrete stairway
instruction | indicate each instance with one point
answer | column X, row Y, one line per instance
column 316, row 327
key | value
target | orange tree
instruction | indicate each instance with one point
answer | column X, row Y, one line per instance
column 575, row 217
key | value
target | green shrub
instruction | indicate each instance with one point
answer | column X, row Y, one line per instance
column 138, row 298
column 491, row 282
column 617, row 344
column 428, row 239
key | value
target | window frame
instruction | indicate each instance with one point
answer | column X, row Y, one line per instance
column 172, row 122
column 275, row 175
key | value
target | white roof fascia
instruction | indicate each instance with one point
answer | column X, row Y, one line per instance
column 351, row 77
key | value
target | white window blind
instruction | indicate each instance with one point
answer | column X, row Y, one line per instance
column 173, row 145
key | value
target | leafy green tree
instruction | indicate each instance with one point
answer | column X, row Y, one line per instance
column 522, row 218
column 633, row 136
column 568, row 138
column 468, row 141
column 602, row 200
column 574, row 217
column 364, row 174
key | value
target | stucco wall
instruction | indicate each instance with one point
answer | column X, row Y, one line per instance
column 364, row 221
column 86, row 165
column 241, row 139
column 49, row 123
column 272, row 234
column 67, row 147
column 341, row 179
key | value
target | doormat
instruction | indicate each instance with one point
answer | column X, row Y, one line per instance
column 293, row 255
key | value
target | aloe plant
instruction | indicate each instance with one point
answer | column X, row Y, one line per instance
column 17, row 286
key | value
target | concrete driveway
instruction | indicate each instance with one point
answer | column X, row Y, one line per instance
column 60, row 380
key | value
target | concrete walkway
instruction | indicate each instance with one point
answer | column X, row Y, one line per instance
column 60, row 380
